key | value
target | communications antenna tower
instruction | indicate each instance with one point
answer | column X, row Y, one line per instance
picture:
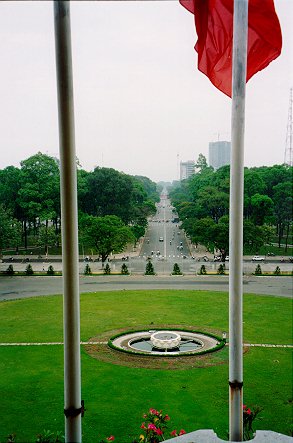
column 288, row 157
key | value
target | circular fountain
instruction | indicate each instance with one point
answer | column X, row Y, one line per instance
column 166, row 342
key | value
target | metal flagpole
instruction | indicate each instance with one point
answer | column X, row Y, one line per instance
column 73, row 407
column 240, row 23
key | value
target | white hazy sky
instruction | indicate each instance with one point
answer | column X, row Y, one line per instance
column 141, row 105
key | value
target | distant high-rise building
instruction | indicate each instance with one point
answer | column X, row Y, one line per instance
column 219, row 154
column 186, row 169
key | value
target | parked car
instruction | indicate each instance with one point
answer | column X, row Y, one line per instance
column 257, row 258
column 161, row 239
column 227, row 258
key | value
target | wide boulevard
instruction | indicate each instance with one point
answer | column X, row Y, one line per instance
column 164, row 244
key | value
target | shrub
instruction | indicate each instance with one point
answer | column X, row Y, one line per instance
column 249, row 415
column 50, row 437
column 149, row 270
column 221, row 269
column 277, row 271
column 10, row 270
column 155, row 427
column 107, row 269
column 29, row 270
column 50, row 270
column 202, row 270
column 87, row 270
column 176, row 270
column 124, row 269
column 258, row 270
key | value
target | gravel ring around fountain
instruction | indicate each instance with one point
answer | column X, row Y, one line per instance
column 102, row 352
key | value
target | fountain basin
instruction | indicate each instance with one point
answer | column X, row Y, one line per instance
column 166, row 343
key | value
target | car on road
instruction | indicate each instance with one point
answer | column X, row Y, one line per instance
column 257, row 258
column 161, row 239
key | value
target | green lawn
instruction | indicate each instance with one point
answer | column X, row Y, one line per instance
column 31, row 377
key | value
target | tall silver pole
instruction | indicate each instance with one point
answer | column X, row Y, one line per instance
column 71, row 313
column 236, row 219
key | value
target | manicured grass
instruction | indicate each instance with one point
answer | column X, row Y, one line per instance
column 116, row 396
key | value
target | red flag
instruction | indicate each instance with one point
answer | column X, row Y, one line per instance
column 214, row 27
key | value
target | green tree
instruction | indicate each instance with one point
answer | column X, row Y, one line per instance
column 124, row 269
column 221, row 269
column 277, row 271
column 110, row 193
column 50, row 270
column 138, row 232
column 104, row 234
column 253, row 236
column 282, row 197
column 10, row 183
column 39, row 195
column 47, row 237
column 261, row 207
column 258, row 270
column 10, row 230
column 29, row 270
column 201, row 162
column 176, row 270
column 149, row 269
column 202, row 270
column 10, row 270
column 107, row 269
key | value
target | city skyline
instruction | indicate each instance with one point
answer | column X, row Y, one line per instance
column 141, row 105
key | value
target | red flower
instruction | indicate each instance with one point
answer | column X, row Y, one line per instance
column 174, row 433
column 111, row 438
column 244, row 407
column 154, row 411
column 143, row 426
column 159, row 431
column 166, row 418
column 182, row 432
column 248, row 411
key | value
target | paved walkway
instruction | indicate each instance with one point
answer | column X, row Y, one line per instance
column 262, row 345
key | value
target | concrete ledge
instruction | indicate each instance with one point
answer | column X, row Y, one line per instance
column 209, row 436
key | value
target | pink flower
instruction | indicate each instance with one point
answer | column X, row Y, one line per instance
column 182, row 432
column 174, row 433
column 154, row 411
column 166, row 418
column 111, row 438
column 143, row 425
column 152, row 426
column 244, row 407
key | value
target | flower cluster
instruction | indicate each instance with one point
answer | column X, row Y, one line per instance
column 154, row 427
column 249, row 415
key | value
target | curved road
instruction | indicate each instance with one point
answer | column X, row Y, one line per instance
column 21, row 287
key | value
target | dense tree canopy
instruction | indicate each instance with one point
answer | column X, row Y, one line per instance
column 202, row 203
column 31, row 195
column 104, row 234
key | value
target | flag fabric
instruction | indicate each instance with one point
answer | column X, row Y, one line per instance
column 214, row 27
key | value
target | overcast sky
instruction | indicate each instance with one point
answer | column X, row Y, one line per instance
column 141, row 105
